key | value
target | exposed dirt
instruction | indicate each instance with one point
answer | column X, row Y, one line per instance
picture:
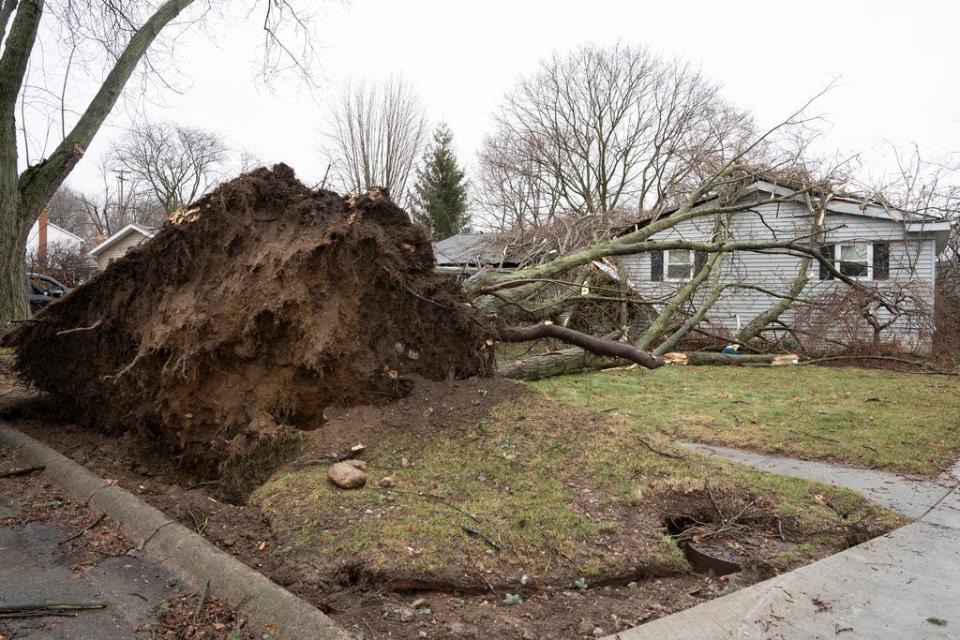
column 368, row 611
column 408, row 611
column 250, row 315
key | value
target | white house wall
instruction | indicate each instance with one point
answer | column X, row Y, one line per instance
column 119, row 248
column 56, row 238
column 777, row 271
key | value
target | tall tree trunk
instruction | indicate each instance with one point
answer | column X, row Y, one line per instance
column 13, row 299
column 22, row 197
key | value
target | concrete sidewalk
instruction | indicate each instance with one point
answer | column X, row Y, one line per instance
column 903, row 585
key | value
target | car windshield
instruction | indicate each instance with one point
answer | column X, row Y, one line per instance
column 44, row 286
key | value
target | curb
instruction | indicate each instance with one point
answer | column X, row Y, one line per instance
column 191, row 557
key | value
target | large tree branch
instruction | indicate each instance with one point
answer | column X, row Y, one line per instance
column 593, row 344
column 16, row 52
column 39, row 182
column 6, row 10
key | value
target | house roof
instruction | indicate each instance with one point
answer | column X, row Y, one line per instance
column 472, row 249
column 133, row 227
column 844, row 204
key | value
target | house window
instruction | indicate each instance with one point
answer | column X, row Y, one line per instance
column 854, row 259
column 679, row 264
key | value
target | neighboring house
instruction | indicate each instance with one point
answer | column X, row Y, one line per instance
column 470, row 252
column 46, row 238
column 890, row 249
column 119, row 243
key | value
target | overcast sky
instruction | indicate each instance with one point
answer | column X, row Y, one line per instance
column 895, row 62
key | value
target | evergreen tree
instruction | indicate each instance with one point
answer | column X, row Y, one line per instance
column 440, row 195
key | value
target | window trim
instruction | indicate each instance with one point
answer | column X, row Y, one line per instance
column 838, row 263
column 666, row 265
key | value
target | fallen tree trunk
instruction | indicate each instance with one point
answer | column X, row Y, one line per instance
column 595, row 352
column 701, row 358
column 595, row 345
column 557, row 363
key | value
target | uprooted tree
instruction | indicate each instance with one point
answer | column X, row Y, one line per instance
column 119, row 34
column 265, row 303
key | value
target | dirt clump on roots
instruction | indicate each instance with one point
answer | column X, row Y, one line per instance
column 247, row 316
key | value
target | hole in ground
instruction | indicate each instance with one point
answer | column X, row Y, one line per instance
column 698, row 559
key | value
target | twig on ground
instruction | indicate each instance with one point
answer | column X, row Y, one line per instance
column 15, row 473
column 481, row 535
column 666, row 454
column 51, row 606
column 438, row 499
column 913, row 363
column 716, row 506
column 84, row 530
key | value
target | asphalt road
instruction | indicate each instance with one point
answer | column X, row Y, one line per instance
column 35, row 568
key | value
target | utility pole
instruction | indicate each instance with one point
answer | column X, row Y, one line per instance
column 121, row 207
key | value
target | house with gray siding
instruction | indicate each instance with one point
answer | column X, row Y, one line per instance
column 890, row 250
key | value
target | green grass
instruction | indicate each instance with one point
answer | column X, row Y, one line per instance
column 869, row 418
column 561, row 491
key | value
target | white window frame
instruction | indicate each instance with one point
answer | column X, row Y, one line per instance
column 837, row 262
column 666, row 265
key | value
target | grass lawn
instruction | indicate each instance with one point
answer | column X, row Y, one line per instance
column 868, row 418
column 556, row 492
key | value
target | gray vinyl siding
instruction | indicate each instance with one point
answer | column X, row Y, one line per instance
column 777, row 271
column 119, row 248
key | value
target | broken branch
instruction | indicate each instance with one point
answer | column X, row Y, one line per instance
column 593, row 344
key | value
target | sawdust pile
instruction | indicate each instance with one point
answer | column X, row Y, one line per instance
column 250, row 313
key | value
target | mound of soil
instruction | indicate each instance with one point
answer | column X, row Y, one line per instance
column 249, row 315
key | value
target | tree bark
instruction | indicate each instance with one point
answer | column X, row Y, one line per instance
column 558, row 363
column 704, row 358
column 595, row 345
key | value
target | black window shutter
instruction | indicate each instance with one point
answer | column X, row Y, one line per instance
column 656, row 266
column 699, row 260
column 881, row 260
column 826, row 252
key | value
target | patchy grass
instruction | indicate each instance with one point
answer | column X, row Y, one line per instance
column 553, row 491
column 870, row 418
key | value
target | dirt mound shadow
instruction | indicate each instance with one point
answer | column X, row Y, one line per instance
column 248, row 315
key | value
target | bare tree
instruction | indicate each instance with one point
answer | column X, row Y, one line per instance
column 113, row 35
column 603, row 129
column 177, row 163
column 376, row 134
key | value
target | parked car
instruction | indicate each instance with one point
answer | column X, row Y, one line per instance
column 41, row 290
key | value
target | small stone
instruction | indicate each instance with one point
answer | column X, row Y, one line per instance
column 404, row 462
column 404, row 614
column 357, row 464
column 597, row 631
column 419, row 602
column 585, row 628
column 524, row 579
column 457, row 628
column 422, row 634
column 346, row 476
column 387, row 482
